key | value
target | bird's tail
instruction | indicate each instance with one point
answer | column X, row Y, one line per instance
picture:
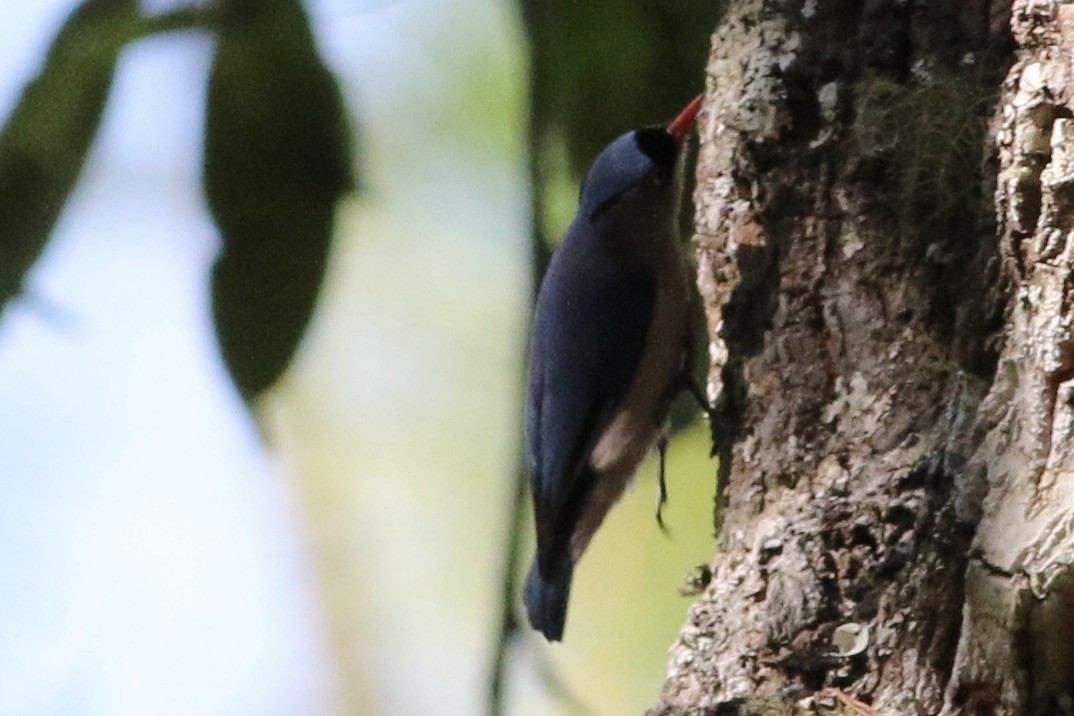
column 546, row 599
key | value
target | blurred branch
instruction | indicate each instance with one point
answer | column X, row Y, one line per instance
column 509, row 623
column 555, row 686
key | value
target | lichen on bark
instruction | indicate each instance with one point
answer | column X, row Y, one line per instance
column 1015, row 654
column 885, row 247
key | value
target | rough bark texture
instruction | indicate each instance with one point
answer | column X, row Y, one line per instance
column 885, row 246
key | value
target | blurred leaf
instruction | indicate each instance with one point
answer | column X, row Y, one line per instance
column 44, row 144
column 600, row 69
column 277, row 160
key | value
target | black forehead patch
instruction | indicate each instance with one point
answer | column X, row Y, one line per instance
column 658, row 145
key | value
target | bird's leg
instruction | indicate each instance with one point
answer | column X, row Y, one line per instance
column 688, row 383
column 662, row 499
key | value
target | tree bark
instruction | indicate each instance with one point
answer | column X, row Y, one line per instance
column 885, row 243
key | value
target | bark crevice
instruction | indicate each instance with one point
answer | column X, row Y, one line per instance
column 857, row 295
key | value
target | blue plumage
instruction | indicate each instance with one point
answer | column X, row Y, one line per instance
column 607, row 349
column 593, row 315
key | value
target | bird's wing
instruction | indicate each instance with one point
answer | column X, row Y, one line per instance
column 593, row 316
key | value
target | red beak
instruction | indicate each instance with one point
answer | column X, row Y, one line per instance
column 681, row 125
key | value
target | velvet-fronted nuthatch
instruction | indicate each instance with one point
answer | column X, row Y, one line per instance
column 608, row 352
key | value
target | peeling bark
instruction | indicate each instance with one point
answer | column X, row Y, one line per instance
column 885, row 245
column 1016, row 651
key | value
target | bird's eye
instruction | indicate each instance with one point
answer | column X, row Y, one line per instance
column 658, row 145
column 658, row 176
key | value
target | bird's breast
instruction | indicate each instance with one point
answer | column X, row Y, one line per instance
column 636, row 423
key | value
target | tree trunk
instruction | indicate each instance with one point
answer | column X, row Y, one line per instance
column 884, row 215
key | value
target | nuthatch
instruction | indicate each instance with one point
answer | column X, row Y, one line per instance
column 608, row 352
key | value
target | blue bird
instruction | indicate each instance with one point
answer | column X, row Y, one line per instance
column 608, row 352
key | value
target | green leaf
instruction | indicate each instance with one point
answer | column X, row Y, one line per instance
column 601, row 69
column 277, row 160
column 44, row 144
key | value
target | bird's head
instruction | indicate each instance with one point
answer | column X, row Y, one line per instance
column 635, row 173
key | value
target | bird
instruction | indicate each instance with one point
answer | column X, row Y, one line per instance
column 608, row 352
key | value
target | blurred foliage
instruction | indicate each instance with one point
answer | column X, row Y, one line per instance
column 277, row 159
column 598, row 70
column 45, row 141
